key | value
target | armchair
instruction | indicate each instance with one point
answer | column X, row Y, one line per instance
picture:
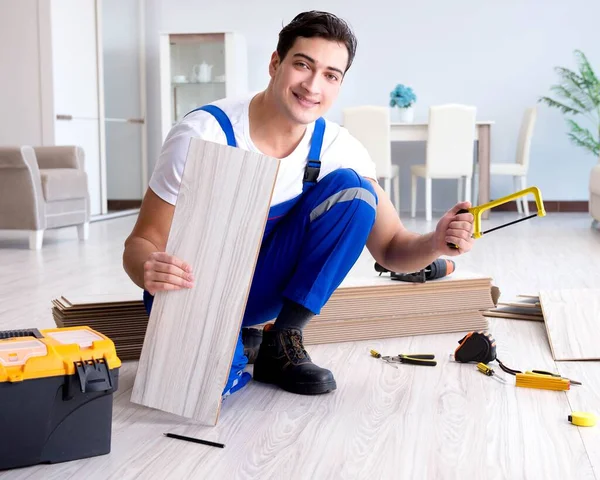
column 43, row 188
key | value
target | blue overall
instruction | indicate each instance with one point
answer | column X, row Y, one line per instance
column 310, row 243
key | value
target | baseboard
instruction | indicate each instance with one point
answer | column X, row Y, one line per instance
column 114, row 205
column 554, row 206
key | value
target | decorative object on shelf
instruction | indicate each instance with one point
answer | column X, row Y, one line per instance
column 202, row 73
column 403, row 98
column 581, row 93
column 214, row 64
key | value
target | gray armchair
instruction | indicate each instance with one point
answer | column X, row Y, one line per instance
column 43, row 188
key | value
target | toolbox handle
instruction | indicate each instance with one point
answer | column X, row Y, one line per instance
column 28, row 332
column 90, row 376
column 94, row 375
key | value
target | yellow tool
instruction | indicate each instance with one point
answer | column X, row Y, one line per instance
column 543, row 372
column 582, row 419
column 478, row 210
column 544, row 382
column 483, row 368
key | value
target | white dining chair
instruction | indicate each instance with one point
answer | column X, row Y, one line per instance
column 518, row 170
column 449, row 154
column 370, row 125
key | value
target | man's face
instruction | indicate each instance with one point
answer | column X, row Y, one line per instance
column 308, row 80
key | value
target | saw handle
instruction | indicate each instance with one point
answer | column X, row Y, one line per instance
column 462, row 210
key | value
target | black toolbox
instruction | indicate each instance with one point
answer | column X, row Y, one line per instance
column 56, row 395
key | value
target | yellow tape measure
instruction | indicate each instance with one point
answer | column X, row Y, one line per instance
column 582, row 419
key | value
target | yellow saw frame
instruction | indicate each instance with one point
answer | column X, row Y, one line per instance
column 478, row 210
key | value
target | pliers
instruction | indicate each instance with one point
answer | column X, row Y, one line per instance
column 425, row 359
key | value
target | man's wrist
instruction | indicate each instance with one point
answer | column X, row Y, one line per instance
column 431, row 245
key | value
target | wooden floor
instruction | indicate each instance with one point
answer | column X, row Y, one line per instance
column 412, row 422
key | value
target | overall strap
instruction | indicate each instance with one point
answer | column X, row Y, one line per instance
column 313, row 165
column 223, row 120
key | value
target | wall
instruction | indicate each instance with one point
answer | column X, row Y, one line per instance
column 498, row 56
column 20, row 97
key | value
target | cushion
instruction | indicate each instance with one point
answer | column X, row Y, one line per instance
column 63, row 183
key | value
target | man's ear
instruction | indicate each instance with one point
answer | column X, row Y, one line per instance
column 274, row 63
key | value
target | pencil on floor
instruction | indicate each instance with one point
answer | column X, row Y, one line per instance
column 194, row 440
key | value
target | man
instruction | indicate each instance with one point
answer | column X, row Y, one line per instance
column 326, row 205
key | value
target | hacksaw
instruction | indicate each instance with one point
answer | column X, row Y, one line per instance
column 479, row 209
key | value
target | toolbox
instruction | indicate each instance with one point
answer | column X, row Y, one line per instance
column 56, row 395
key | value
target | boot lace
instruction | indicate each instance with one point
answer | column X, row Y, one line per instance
column 295, row 350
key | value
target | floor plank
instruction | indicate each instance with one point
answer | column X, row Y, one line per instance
column 585, row 398
column 571, row 319
column 217, row 228
column 413, row 422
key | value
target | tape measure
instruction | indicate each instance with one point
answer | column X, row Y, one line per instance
column 582, row 419
column 477, row 347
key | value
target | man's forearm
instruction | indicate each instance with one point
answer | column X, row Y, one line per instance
column 137, row 250
column 410, row 252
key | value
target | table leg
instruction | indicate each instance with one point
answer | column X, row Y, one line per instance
column 483, row 157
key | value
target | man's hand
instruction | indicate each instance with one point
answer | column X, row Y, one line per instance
column 456, row 229
column 166, row 272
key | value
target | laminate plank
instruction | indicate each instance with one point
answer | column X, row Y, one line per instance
column 585, row 398
column 571, row 319
column 217, row 227
column 395, row 421
column 526, row 423
column 449, row 421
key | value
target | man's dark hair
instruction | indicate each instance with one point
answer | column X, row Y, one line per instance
column 317, row 24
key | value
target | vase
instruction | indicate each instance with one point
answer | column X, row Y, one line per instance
column 403, row 115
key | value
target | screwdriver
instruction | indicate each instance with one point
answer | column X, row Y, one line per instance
column 483, row 368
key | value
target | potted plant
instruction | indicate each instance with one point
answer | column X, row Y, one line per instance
column 580, row 94
column 402, row 99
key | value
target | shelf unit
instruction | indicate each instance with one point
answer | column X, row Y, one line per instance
column 199, row 68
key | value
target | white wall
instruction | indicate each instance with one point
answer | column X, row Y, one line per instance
column 498, row 56
column 20, row 94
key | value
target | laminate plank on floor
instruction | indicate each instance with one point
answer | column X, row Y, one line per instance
column 585, row 398
column 523, row 423
column 217, row 227
column 446, row 422
column 571, row 319
column 267, row 431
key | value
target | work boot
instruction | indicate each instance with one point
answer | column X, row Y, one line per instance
column 283, row 361
column 251, row 338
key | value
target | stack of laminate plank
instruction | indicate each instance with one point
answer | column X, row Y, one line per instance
column 524, row 307
column 362, row 308
column 121, row 317
column 370, row 307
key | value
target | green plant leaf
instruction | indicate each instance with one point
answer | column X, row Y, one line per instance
column 579, row 98
column 583, row 138
column 587, row 72
column 561, row 106
column 593, row 148
column 578, row 93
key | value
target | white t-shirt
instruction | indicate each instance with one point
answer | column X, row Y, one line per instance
column 339, row 150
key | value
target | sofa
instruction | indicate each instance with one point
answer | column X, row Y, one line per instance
column 43, row 188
